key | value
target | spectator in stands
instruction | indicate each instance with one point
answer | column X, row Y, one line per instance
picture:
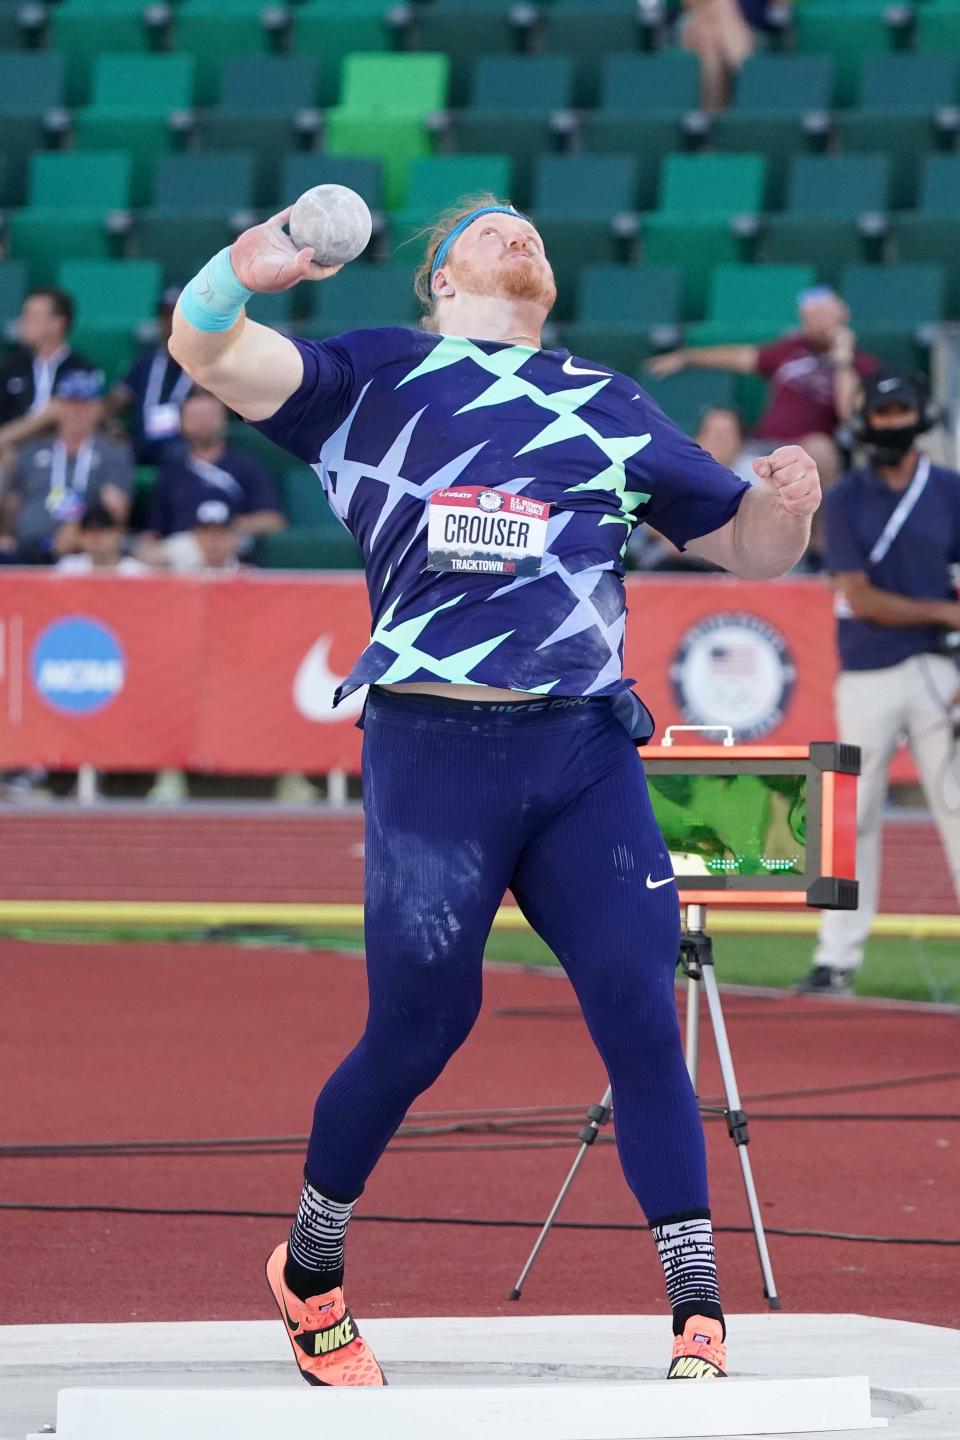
column 720, row 35
column 99, row 539
column 29, row 373
column 208, row 470
column 52, row 481
column 813, row 372
column 893, row 534
column 153, row 391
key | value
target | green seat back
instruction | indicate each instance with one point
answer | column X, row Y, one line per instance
column 329, row 30
column 304, row 547
column 685, row 396
column 462, row 32
column 270, row 138
column 13, row 287
column 212, row 33
column 665, row 82
column 112, row 293
column 180, row 241
column 940, row 185
column 592, row 186
column 894, row 297
column 31, row 82
column 81, row 30
column 210, row 183
column 438, row 181
column 590, row 32
column 845, row 31
column 71, row 180
column 826, row 243
column 146, row 84
column 394, row 84
column 304, row 501
column 937, row 26
column 515, row 83
column 304, row 170
column 767, row 293
column 629, row 296
column 362, row 295
column 712, row 186
column 396, row 145
column 278, row 84
column 908, row 82
column 791, row 83
column 842, row 186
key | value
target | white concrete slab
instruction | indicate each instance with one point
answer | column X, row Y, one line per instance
column 657, row 1410
column 914, row 1370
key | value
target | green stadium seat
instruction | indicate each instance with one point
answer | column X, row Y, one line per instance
column 841, row 187
column 438, row 182
column 711, row 186
column 302, row 171
column 31, row 82
column 329, row 30
column 138, row 97
column 362, row 296
column 271, row 457
column 309, row 548
column 516, row 101
column 937, row 27
column 13, row 287
column 643, row 102
column 275, row 84
column 932, row 238
column 795, row 84
column 202, row 29
column 583, row 205
column 270, row 138
column 12, row 30
column 695, row 247
column 908, row 82
column 590, row 33
column 685, row 396
column 113, row 298
column 23, row 137
column 751, row 304
column 625, row 313
column 81, row 30
column 462, row 32
column 826, row 243
column 901, row 298
column 847, row 32
column 281, row 310
column 940, row 186
column 394, row 84
column 395, row 144
column 70, row 196
column 303, row 500
column 204, row 182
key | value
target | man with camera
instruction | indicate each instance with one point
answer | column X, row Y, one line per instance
column 893, row 536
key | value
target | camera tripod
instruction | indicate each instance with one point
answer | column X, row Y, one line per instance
column 696, row 962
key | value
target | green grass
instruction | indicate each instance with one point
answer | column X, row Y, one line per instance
column 906, row 969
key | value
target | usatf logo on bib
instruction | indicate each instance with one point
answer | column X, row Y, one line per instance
column 479, row 531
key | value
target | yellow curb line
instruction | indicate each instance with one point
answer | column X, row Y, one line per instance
column 209, row 914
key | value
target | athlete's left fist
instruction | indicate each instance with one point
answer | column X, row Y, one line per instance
column 793, row 477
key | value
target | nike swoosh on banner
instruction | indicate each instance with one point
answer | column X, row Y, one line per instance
column 315, row 684
column 655, row 884
column 569, row 368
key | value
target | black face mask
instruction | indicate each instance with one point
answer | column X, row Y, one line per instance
column 888, row 447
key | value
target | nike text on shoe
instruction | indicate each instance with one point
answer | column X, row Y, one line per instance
column 699, row 1353
column 824, row 980
column 326, row 1342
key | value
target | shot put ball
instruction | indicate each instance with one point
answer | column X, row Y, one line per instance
column 334, row 220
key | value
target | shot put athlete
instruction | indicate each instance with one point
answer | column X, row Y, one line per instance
column 499, row 730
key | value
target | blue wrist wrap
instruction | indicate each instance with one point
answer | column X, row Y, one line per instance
column 213, row 299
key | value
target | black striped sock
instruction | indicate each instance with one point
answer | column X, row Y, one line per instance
column 685, row 1246
column 315, row 1261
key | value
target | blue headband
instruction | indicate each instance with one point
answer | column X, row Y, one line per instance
column 459, row 228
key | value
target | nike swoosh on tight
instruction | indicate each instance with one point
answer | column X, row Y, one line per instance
column 655, row 884
column 569, row 368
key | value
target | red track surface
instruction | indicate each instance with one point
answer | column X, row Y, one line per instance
column 142, row 1042
column 305, row 857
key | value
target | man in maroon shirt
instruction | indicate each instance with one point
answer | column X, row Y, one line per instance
column 813, row 372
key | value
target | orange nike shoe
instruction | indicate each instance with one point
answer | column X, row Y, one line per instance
column 323, row 1333
column 699, row 1353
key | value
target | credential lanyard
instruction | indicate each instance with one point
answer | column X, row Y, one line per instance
column 902, row 513
column 58, row 473
column 155, row 379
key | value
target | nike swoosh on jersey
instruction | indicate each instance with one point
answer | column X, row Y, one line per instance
column 655, row 884
column 569, row 368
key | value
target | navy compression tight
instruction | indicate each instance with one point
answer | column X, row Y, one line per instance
column 548, row 799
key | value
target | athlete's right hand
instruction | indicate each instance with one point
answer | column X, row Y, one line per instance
column 265, row 259
column 668, row 364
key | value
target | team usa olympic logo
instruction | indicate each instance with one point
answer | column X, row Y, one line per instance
column 490, row 500
column 734, row 669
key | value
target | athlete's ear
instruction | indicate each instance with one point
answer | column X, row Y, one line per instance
column 441, row 285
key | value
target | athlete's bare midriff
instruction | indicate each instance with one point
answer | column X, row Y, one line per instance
column 462, row 692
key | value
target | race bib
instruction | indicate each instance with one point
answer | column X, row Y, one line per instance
column 476, row 531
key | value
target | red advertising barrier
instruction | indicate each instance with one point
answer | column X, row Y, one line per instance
column 236, row 674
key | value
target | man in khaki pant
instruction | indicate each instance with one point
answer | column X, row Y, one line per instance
column 893, row 536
